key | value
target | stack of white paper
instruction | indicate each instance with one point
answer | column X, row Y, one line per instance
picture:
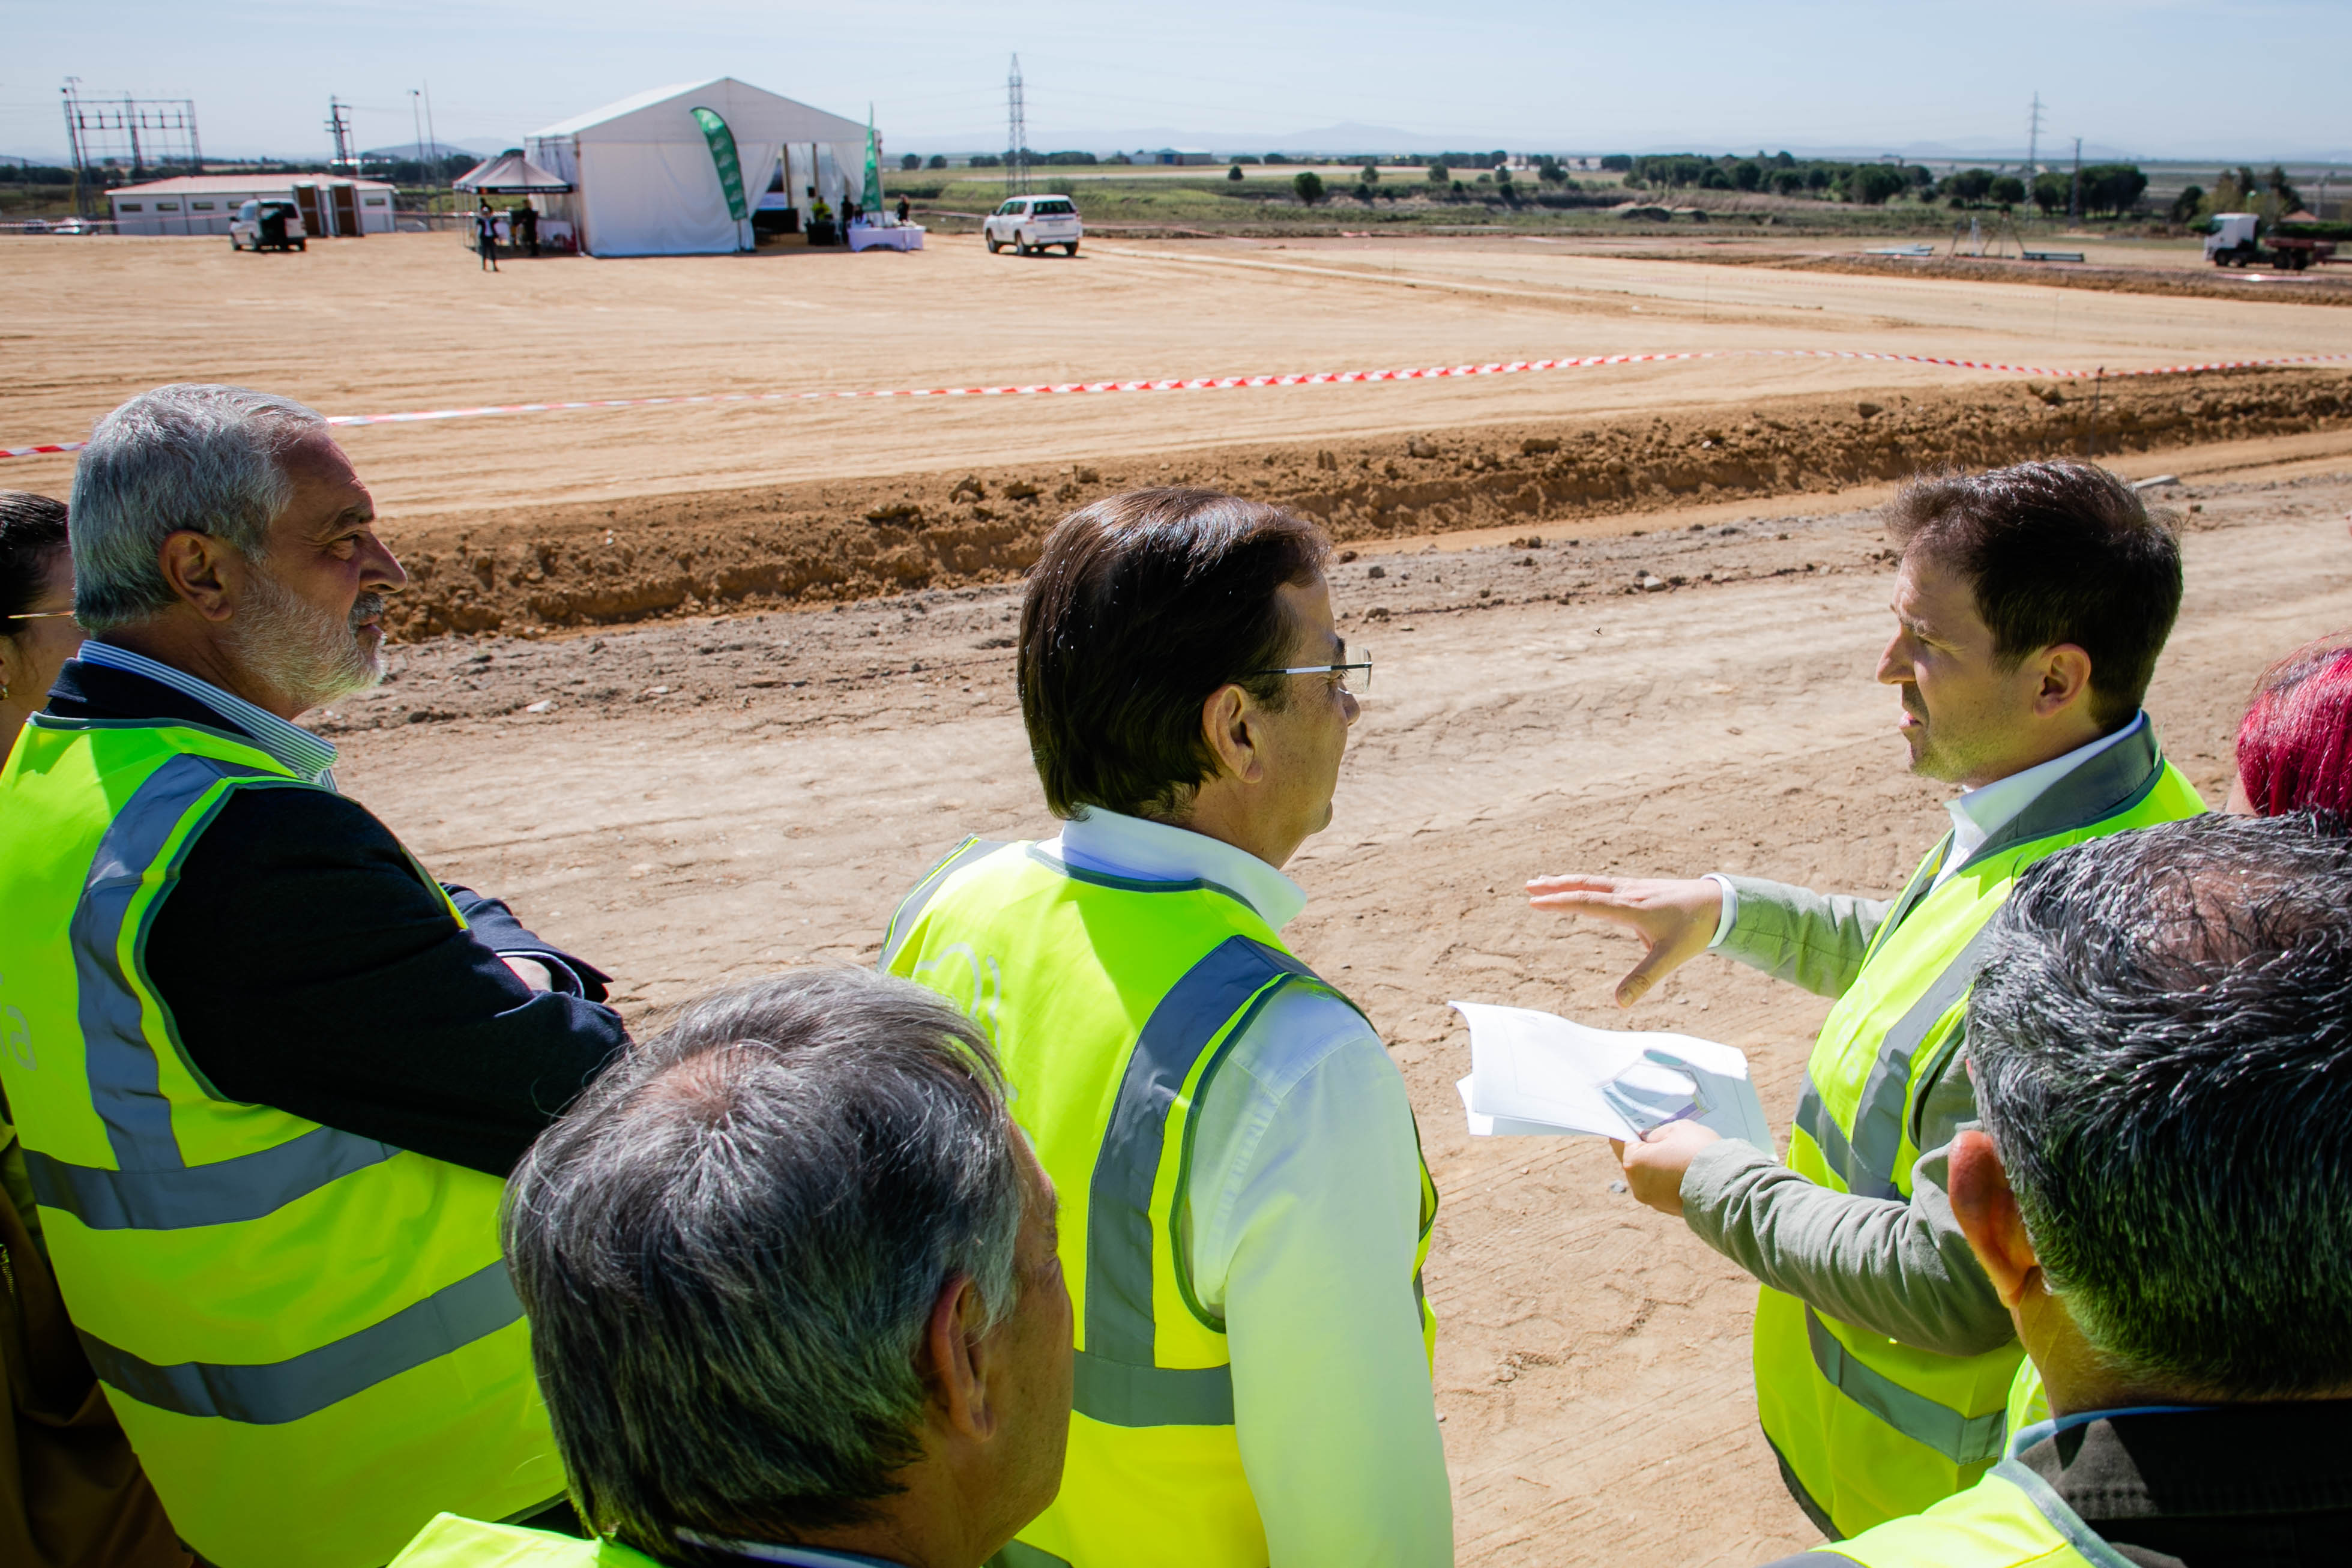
column 1535, row 1073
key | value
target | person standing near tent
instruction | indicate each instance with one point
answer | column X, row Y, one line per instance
column 486, row 236
column 525, row 228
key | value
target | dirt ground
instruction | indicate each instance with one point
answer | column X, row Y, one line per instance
column 533, row 522
column 405, row 322
column 1663, row 665
column 711, row 798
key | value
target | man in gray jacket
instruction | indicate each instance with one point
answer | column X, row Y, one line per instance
column 2031, row 605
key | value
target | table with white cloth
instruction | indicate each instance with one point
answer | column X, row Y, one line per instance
column 886, row 237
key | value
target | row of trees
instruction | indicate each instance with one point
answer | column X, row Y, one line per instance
column 2105, row 188
column 1781, row 174
column 2108, row 189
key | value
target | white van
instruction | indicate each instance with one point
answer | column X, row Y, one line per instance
column 1032, row 224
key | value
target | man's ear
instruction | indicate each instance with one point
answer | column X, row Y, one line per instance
column 2065, row 678
column 1225, row 715
column 1986, row 1209
column 956, row 1363
column 204, row 573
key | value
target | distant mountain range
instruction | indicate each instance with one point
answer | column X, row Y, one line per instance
column 1356, row 137
column 424, row 150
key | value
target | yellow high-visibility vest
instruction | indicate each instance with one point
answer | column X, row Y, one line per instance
column 2011, row 1519
column 1112, row 1004
column 309, row 1336
column 1872, row 1428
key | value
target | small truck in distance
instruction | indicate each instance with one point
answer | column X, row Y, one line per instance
column 2242, row 239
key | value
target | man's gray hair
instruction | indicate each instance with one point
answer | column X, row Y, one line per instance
column 190, row 456
column 730, row 1247
column 2162, row 1050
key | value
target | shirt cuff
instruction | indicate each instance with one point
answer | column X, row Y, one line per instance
column 1730, row 907
column 564, row 980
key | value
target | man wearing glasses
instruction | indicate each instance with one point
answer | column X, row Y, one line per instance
column 1246, row 1209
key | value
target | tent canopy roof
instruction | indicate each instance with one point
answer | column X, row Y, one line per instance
column 661, row 115
column 512, row 173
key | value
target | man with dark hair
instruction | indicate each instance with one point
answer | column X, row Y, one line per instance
column 2161, row 1195
column 2029, row 607
column 1250, row 1210
column 795, row 1294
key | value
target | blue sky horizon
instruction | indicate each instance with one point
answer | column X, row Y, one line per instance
column 2130, row 79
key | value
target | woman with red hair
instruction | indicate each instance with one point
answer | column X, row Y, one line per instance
column 2295, row 746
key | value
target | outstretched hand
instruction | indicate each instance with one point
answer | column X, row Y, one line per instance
column 1675, row 920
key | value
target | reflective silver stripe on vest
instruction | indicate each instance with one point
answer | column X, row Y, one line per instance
column 2063, row 1520
column 1814, row 1119
column 272, row 1393
column 1122, row 1394
column 1119, row 1230
column 1879, row 1119
column 223, row 1193
column 125, row 1085
column 911, row 908
column 1963, row 1439
column 156, row 1189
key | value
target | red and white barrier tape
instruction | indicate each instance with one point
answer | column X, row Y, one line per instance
column 1295, row 378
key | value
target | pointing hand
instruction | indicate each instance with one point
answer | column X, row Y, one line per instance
column 1675, row 920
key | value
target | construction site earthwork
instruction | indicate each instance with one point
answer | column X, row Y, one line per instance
column 702, row 674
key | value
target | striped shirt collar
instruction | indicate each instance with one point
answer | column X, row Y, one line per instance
column 305, row 754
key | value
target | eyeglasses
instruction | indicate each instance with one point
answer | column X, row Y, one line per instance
column 1365, row 664
column 40, row 616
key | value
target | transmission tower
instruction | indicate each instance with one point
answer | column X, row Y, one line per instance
column 2033, row 146
column 339, row 126
column 1016, row 132
column 142, row 135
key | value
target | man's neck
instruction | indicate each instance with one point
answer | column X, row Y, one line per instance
column 2059, row 741
column 193, row 650
column 1227, row 817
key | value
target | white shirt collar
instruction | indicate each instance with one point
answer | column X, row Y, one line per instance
column 1979, row 813
column 1119, row 845
column 305, row 754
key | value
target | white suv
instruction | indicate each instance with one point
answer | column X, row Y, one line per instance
column 1031, row 224
column 263, row 224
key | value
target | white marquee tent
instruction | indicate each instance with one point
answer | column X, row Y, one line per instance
column 645, row 183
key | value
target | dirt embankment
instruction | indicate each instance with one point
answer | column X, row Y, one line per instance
column 2211, row 283
column 650, row 557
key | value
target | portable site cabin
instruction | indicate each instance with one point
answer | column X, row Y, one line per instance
column 205, row 204
column 645, row 174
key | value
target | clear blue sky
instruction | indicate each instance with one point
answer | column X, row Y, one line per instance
column 2236, row 78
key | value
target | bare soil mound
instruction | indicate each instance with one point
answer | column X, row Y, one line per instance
column 526, row 571
column 2211, row 283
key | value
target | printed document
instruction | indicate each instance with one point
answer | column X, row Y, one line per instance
column 1535, row 1073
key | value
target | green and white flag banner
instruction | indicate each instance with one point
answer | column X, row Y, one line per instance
column 722, row 154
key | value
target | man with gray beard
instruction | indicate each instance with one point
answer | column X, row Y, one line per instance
column 269, row 1074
